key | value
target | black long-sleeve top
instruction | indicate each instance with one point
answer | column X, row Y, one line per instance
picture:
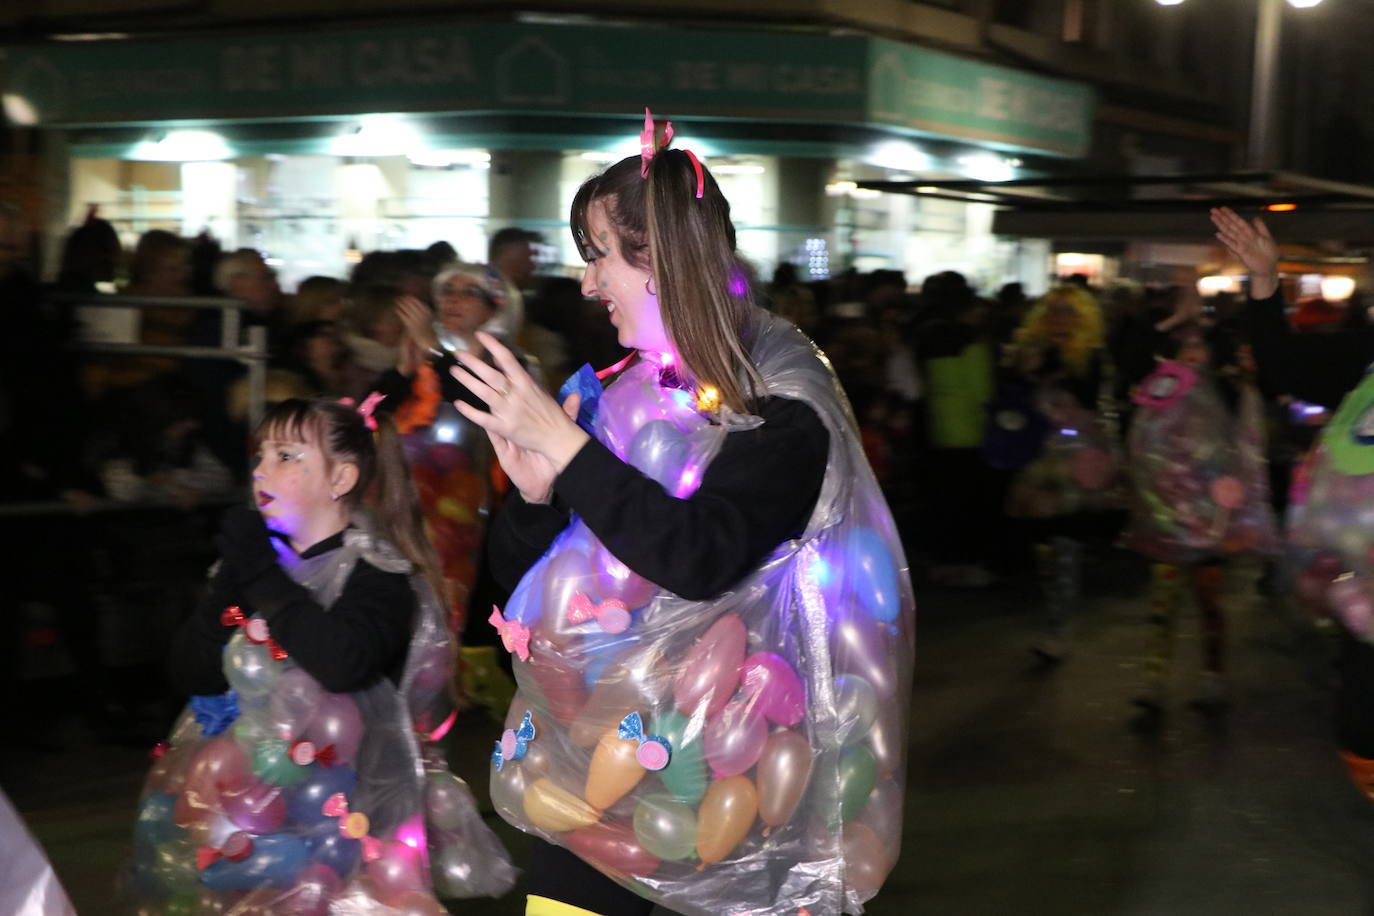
column 397, row 387
column 758, row 492
column 361, row 637
column 1316, row 367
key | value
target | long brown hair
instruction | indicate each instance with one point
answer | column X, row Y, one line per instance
column 688, row 244
column 384, row 481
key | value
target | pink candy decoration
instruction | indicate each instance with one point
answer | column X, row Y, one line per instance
column 1228, row 492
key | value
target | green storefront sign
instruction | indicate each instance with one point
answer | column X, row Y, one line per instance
column 773, row 76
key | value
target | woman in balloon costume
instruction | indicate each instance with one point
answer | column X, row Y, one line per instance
column 713, row 622
column 1200, row 486
column 1069, row 480
column 304, row 777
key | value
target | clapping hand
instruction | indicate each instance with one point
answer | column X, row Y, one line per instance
column 1253, row 245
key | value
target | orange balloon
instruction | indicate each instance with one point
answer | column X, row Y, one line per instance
column 725, row 816
column 866, row 859
column 614, row 771
column 555, row 809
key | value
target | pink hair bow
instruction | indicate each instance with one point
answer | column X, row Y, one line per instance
column 515, row 636
column 648, row 142
column 369, row 405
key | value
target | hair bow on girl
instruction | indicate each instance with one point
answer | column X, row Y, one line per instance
column 515, row 742
column 654, row 751
column 515, row 636
column 353, row 825
column 367, row 408
column 649, row 143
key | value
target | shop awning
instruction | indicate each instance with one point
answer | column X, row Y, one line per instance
column 1298, row 208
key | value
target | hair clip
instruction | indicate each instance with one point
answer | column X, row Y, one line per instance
column 701, row 178
column 366, row 408
column 648, row 142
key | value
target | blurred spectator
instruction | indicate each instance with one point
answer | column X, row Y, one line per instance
column 205, row 255
column 511, row 252
column 442, row 253
column 316, row 352
column 1008, row 311
column 161, row 265
column 791, row 300
column 374, row 335
column 91, row 256
column 318, row 299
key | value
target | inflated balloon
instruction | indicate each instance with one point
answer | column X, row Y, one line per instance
column 559, row 680
column 775, row 688
column 710, row 672
column 453, row 873
column 865, row 859
column 570, row 574
column 168, row 772
column 615, row 580
column 305, row 800
column 219, row 765
column 864, row 647
column 725, row 816
column 886, row 740
column 211, row 831
column 555, row 809
column 783, row 774
column 858, row 776
column 337, row 723
column 252, row 727
column 735, row 738
column 884, row 815
column 660, row 451
column 294, row 700
column 396, row 871
column 614, row 771
column 685, row 774
column 418, row 903
column 610, row 701
column 666, row 827
column 275, row 860
column 314, row 889
column 856, row 706
column 249, row 668
column 154, row 822
column 614, row 848
column 446, row 800
column 329, row 847
column 272, row 763
column 872, row 574
column 257, row 808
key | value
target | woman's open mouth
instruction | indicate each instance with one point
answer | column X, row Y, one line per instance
column 264, row 499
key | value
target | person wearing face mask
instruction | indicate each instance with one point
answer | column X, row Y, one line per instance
column 694, row 537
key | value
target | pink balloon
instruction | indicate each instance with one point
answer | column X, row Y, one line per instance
column 397, row 872
column 559, row 680
column 863, row 646
column 884, row 815
column 419, row 903
column 615, row 580
column 734, row 739
column 612, row 847
column 258, row 808
column 219, row 765
column 337, row 722
column 312, row 892
column 775, row 687
column 295, row 697
column 710, row 672
column 865, row 859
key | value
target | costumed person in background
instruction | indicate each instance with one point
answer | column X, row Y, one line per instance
column 304, row 777
column 713, row 624
column 1200, row 486
column 1331, row 508
column 1057, row 414
column 450, row 457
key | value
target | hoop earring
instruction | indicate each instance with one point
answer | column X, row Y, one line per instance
column 648, row 289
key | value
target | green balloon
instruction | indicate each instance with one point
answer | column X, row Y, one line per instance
column 858, row 776
column 272, row 764
column 183, row 903
column 685, row 774
column 666, row 827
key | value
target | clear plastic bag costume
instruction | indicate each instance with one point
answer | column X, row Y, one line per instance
column 282, row 797
column 1331, row 516
column 741, row 755
column 1078, row 468
column 1200, row 483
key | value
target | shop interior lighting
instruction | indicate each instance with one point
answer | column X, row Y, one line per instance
column 445, row 158
column 728, row 169
column 1281, row 208
column 378, row 135
column 1337, row 288
column 988, row 167
column 899, row 154
column 1217, row 283
column 184, row 146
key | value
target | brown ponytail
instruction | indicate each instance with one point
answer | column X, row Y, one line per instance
column 396, row 505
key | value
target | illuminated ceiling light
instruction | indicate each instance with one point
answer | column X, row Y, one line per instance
column 1217, row 283
column 443, row 158
column 726, row 169
column 184, row 146
column 1303, row 4
column 1168, row 2
column 378, row 135
column 19, row 111
column 1337, row 289
column 840, row 188
column 988, row 167
column 900, row 155
column 1281, row 208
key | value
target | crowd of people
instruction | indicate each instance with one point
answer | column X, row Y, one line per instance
column 423, row 460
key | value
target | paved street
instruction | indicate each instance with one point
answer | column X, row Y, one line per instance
column 1032, row 792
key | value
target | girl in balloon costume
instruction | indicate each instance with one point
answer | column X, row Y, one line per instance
column 450, row 457
column 1071, row 481
column 304, row 777
column 713, row 622
column 1200, row 487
